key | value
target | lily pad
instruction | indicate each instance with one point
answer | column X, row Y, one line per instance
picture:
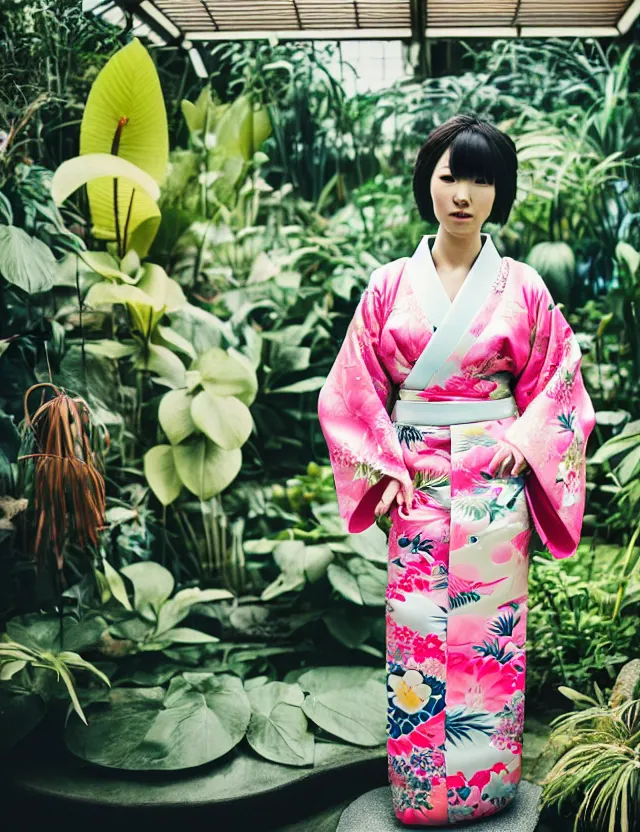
column 278, row 729
column 200, row 718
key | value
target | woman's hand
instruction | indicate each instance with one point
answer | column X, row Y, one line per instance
column 507, row 461
column 394, row 491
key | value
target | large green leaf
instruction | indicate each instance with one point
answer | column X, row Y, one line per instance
column 41, row 631
column 125, row 115
column 165, row 292
column 226, row 374
column 202, row 329
column 174, row 415
column 204, row 468
column 154, row 295
column 349, row 702
column 242, row 130
column 107, row 266
column 152, row 584
column 175, row 609
column 344, row 582
column 371, row 544
column 225, row 420
column 200, row 718
column 168, row 368
column 100, row 169
column 278, row 729
column 25, row 261
column 106, row 293
column 161, row 474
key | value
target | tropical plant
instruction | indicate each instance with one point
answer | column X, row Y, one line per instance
column 600, row 761
column 576, row 632
column 15, row 657
column 150, row 623
column 39, row 654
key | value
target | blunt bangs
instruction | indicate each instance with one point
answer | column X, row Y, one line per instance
column 473, row 157
column 477, row 150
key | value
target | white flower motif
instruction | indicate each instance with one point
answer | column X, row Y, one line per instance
column 410, row 691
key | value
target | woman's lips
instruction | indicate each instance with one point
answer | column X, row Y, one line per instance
column 456, row 217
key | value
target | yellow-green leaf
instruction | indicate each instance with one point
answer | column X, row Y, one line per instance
column 125, row 115
column 204, row 468
column 227, row 375
column 225, row 420
column 107, row 266
column 161, row 473
column 174, row 415
column 103, row 167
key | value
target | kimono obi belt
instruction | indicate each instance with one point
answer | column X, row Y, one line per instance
column 460, row 412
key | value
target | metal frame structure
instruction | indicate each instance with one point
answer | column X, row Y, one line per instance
column 192, row 23
column 214, row 20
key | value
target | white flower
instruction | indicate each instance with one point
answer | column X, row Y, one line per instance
column 411, row 692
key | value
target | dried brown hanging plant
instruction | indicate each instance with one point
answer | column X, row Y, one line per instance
column 69, row 491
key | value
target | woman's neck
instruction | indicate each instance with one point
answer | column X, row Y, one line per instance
column 455, row 255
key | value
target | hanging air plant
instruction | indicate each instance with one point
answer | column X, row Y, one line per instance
column 68, row 485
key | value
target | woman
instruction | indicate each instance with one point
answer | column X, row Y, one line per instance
column 487, row 439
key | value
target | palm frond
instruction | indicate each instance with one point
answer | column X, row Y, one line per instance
column 459, row 723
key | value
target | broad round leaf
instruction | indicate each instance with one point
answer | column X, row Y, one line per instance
column 166, row 336
column 202, row 329
column 347, row 702
column 225, row 420
column 25, row 261
column 161, row 474
column 168, row 368
column 372, row 581
column 316, row 560
column 200, row 718
column 226, row 375
column 371, row 544
column 345, row 583
column 204, row 468
column 165, row 293
column 174, row 415
column 152, row 584
column 278, row 729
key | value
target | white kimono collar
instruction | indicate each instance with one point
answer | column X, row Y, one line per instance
column 450, row 319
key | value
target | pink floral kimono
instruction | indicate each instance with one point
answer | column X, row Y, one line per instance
column 421, row 391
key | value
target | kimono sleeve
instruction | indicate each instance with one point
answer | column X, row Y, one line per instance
column 556, row 417
column 364, row 448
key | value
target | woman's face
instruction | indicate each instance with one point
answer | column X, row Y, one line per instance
column 450, row 195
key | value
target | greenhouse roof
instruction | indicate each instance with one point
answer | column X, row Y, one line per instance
column 211, row 20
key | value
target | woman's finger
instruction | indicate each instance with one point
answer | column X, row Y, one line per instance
column 505, row 464
column 387, row 498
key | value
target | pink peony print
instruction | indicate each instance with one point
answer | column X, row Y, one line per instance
column 481, row 684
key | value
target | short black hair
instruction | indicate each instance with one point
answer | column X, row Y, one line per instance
column 478, row 149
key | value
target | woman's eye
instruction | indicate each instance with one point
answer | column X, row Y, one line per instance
column 447, row 178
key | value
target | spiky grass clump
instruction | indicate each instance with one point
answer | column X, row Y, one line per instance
column 600, row 765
